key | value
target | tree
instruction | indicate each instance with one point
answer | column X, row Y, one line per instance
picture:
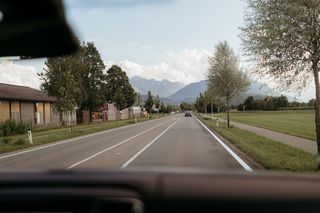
column 118, row 88
column 157, row 102
column 92, row 79
column 281, row 101
column 249, row 103
column 225, row 76
column 149, row 102
column 312, row 102
column 282, row 37
column 60, row 79
column 184, row 106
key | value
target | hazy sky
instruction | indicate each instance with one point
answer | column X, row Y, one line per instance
column 160, row 39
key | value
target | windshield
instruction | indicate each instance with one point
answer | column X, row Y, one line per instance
column 218, row 85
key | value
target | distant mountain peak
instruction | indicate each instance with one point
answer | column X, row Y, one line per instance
column 163, row 88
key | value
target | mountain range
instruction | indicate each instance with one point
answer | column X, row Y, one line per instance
column 163, row 88
column 175, row 92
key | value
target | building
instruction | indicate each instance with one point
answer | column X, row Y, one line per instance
column 29, row 105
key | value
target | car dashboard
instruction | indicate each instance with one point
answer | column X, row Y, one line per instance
column 157, row 191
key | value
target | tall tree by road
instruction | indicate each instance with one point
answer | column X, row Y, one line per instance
column 118, row 88
column 149, row 102
column 60, row 78
column 75, row 80
column 225, row 76
column 92, row 78
column 157, row 102
column 282, row 37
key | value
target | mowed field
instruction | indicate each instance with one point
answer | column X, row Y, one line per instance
column 299, row 123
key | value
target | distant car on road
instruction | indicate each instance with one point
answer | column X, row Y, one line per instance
column 187, row 114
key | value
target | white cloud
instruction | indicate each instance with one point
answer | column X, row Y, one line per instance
column 11, row 73
column 187, row 66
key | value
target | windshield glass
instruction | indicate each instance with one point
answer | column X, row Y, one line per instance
column 218, row 85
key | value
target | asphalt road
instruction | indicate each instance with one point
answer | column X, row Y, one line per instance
column 173, row 141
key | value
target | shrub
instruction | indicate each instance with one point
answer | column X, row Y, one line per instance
column 6, row 140
column 20, row 142
column 11, row 127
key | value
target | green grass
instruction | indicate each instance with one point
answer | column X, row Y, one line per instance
column 43, row 136
column 299, row 123
column 269, row 153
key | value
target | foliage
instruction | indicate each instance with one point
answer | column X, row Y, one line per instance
column 11, row 127
column 249, row 103
column 61, row 79
column 75, row 80
column 156, row 102
column 269, row 103
column 148, row 104
column 226, row 79
column 118, row 88
column 203, row 103
column 92, row 78
column 312, row 102
column 282, row 37
column 20, row 141
column 184, row 106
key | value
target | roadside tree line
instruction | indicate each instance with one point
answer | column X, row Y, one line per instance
column 270, row 103
column 273, row 103
column 153, row 104
column 81, row 80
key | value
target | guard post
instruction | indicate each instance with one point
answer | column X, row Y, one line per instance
column 30, row 136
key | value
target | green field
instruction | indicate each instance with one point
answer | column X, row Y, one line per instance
column 44, row 136
column 298, row 123
column 269, row 153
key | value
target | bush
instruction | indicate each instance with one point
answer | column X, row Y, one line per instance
column 20, row 142
column 11, row 127
column 6, row 140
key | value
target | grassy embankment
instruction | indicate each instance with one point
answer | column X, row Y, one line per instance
column 271, row 154
column 296, row 122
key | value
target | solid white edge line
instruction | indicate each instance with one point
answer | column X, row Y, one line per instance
column 234, row 155
column 118, row 144
column 73, row 139
column 148, row 145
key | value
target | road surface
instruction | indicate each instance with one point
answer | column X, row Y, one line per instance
column 172, row 141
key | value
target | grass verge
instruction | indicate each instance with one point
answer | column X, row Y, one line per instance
column 295, row 122
column 43, row 136
column 271, row 154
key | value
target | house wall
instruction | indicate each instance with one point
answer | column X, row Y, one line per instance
column 4, row 111
column 47, row 113
column 15, row 111
column 28, row 112
column 39, row 112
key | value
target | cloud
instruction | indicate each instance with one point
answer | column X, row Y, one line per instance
column 11, row 73
column 187, row 66
column 93, row 4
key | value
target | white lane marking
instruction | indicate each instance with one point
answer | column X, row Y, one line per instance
column 234, row 155
column 74, row 139
column 144, row 148
column 111, row 147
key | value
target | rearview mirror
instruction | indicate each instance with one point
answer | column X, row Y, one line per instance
column 34, row 28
